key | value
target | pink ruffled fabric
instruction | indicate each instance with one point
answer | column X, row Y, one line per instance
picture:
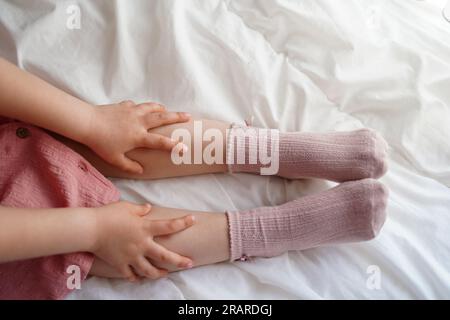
column 37, row 171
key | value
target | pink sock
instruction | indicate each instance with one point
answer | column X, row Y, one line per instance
column 336, row 156
column 352, row 211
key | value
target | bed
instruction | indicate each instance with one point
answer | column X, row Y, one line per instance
column 293, row 65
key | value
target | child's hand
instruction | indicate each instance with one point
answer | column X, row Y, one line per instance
column 118, row 128
column 125, row 240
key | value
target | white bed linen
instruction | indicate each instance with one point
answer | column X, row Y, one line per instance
column 293, row 65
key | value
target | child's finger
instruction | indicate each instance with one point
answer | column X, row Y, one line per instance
column 161, row 254
column 154, row 120
column 128, row 103
column 151, row 107
column 157, row 141
column 128, row 273
column 164, row 227
column 180, row 148
column 146, row 269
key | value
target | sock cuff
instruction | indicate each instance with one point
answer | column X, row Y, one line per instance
column 230, row 148
column 234, row 233
column 235, row 144
column 243, row 148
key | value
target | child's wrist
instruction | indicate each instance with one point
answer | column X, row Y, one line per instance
column 90, row 230
column 88, row 125
column 93, row 134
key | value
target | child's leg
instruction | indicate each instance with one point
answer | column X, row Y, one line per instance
column 337, row 156
column 158, row 164
column 205, row 243
column 355, row 213
column 352, row 211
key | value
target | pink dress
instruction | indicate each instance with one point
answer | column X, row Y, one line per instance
column 37, row 171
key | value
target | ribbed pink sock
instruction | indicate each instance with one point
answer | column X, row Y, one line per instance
column 336, row 156
column 352, row 211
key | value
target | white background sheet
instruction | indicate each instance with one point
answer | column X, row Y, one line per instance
column 293, row 65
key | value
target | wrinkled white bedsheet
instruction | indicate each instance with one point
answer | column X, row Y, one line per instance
column 293, row 65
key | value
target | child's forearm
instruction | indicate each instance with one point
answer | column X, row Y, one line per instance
column 30, row 233
column 25, row 97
